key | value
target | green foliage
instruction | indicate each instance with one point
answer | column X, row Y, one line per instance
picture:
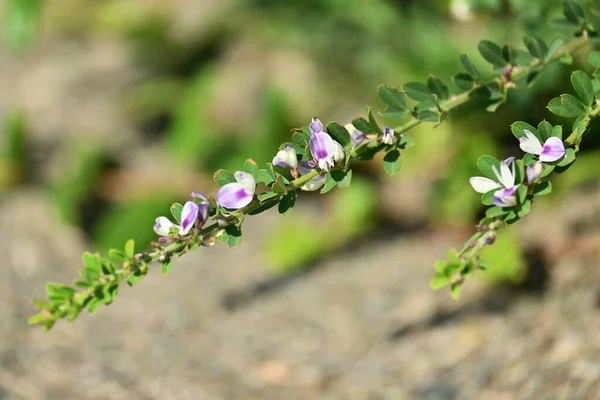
column 190, row 140
column 21, row 22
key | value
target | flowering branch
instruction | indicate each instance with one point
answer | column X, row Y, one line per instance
column 319, row 157
column 510, row 187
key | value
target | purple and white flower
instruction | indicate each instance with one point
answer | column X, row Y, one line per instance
column 357, row 136
column 388, row 135
column 505, row 196
column 552, row 150
column 203, row 208
column 238, row 194
column 315, row 183
column 164, row 227
column 286, row 158
column 322, row 146
column 533, row 171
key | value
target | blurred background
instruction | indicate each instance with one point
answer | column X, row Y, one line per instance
column 111, row 110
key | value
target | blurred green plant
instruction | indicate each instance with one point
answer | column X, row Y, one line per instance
column 21, row 22
column 193, row 139
column 13, row 151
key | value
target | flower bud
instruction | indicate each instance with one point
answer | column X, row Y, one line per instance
column 533, row 171
column 388, row 135
column 338, row 152
column 357, row 136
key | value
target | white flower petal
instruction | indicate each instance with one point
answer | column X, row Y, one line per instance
column 163, row 225
column 483, row 185
column 530, row 144
column 247, row 181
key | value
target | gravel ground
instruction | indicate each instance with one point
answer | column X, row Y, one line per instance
column 364, row 325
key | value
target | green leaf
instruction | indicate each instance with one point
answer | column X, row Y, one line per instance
column 522, row 194
column 568, row 159
column 373, row 122
column 363, row 125
column 594, row 59
column 455, row 291
column 437, row 87
column 287, row 202
column 573, row 12
column 554, row 47
column 280, row 185
column 235, row 235
column 266, row 175
column 486, row 164
column 129, row 249
column 573, row 105
column 166, row 266
column 264, row 207
column 509, row 54
column 342, row 178
column 545, row 130
column 417, row 91
column 116, row 256
column 519, row 171
column 524, row 209
column 428, row 116
column 426, row 105
column 92, row 262
column 532, row 78
column 488, row 198
column 556, row 107
column 469, row 66
column 557, row 132
column 438, row 281
column 132, row 279
column 59, row 291
column 583, row 86
column 548, row 169
column 496, row 211
column 463, row 81
column 267, row 195
column 223, row 177
column 395, row 100
column 251, row 168
column 391, row 162
column 405, row 142
column 492, row 53
column 536, row 46
column 518, row 129
column 339, row 133
column 494, row 106
column 330, row 184
column 543, row 188
column 176, row 210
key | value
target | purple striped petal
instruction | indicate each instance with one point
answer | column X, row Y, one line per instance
column 234, row 196
column 553, row 150
column 315, row 126
column 322, row 148
column 203, row 209
column 505, row 197
column 189, row 214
